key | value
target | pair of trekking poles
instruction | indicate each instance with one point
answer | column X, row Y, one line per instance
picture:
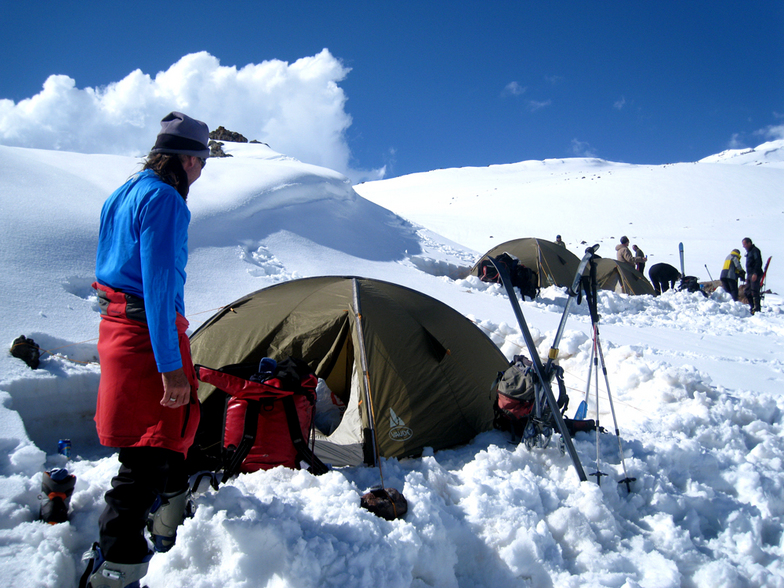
column 541, row 433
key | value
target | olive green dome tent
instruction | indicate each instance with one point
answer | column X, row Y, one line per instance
column 414, row 367
column 621, row 277
column 553, row 263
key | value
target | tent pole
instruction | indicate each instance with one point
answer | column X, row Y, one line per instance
column 366, row 375
column 543, row 263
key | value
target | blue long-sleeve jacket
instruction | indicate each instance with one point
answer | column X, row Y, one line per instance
column 143, row 250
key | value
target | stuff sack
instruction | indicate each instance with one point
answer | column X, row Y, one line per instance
column 524, row 278
column 516, row 397
column 329, row 409
column 386, row 503
column 268, row 415
column 690, row 284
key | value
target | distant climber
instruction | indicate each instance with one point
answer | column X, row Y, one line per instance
column 640, row 265
column 663, row 277
column 753, row 274
column 624, row 255
column 730, row 273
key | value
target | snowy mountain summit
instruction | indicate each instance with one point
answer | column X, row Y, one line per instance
column 770, row 153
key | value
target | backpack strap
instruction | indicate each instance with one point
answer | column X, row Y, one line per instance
column 487, row 271
column 563, row 397
column 233, row 458
column 304, row 453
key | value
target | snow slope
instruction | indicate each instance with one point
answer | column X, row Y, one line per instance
column 708, row 207
column 696, row 382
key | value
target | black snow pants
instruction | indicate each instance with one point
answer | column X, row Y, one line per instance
column 753, row 294
column 145, row 472
column 731, row 286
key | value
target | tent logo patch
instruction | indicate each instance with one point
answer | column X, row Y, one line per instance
column 398, row 431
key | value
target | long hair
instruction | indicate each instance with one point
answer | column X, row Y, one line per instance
column 169, row 168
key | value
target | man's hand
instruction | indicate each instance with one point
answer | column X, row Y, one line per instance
column 176, row 389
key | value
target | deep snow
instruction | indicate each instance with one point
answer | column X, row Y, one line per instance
column 696, row 382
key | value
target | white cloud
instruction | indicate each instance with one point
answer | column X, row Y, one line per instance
column 620, row 103
column 582, row 149
column 297, row 108
column 772, row 132
column 736, row 142
column 534, row 105
column 514, row 89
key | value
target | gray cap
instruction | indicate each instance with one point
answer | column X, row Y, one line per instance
column 183, row 135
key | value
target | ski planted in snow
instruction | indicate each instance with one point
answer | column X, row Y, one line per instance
column 764, row 274
column 680, row 252
column 543, row 375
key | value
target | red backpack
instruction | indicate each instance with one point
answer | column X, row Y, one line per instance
column 269, row 415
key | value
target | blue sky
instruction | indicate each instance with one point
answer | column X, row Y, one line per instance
column 451, row 84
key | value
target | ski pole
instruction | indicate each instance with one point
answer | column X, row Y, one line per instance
column 598, row 473
column 626, row 480
column 582, row 408
column 709, row 274
column 591, row 292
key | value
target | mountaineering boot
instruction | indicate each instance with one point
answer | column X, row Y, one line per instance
column 27, row 350
column 105, row 574
column 168, row 513
column 56, row 488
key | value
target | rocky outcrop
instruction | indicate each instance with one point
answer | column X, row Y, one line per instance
column 222, row 134
column 216, row 149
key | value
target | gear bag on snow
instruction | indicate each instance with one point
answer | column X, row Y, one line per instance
column 524, row 278
column 516, row 397
column 387, row 503
column 690, row 284
column 267, row 418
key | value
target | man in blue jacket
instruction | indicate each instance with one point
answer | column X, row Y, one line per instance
column 147, row 405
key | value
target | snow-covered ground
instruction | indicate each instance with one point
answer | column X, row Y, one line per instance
column 696, row 382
